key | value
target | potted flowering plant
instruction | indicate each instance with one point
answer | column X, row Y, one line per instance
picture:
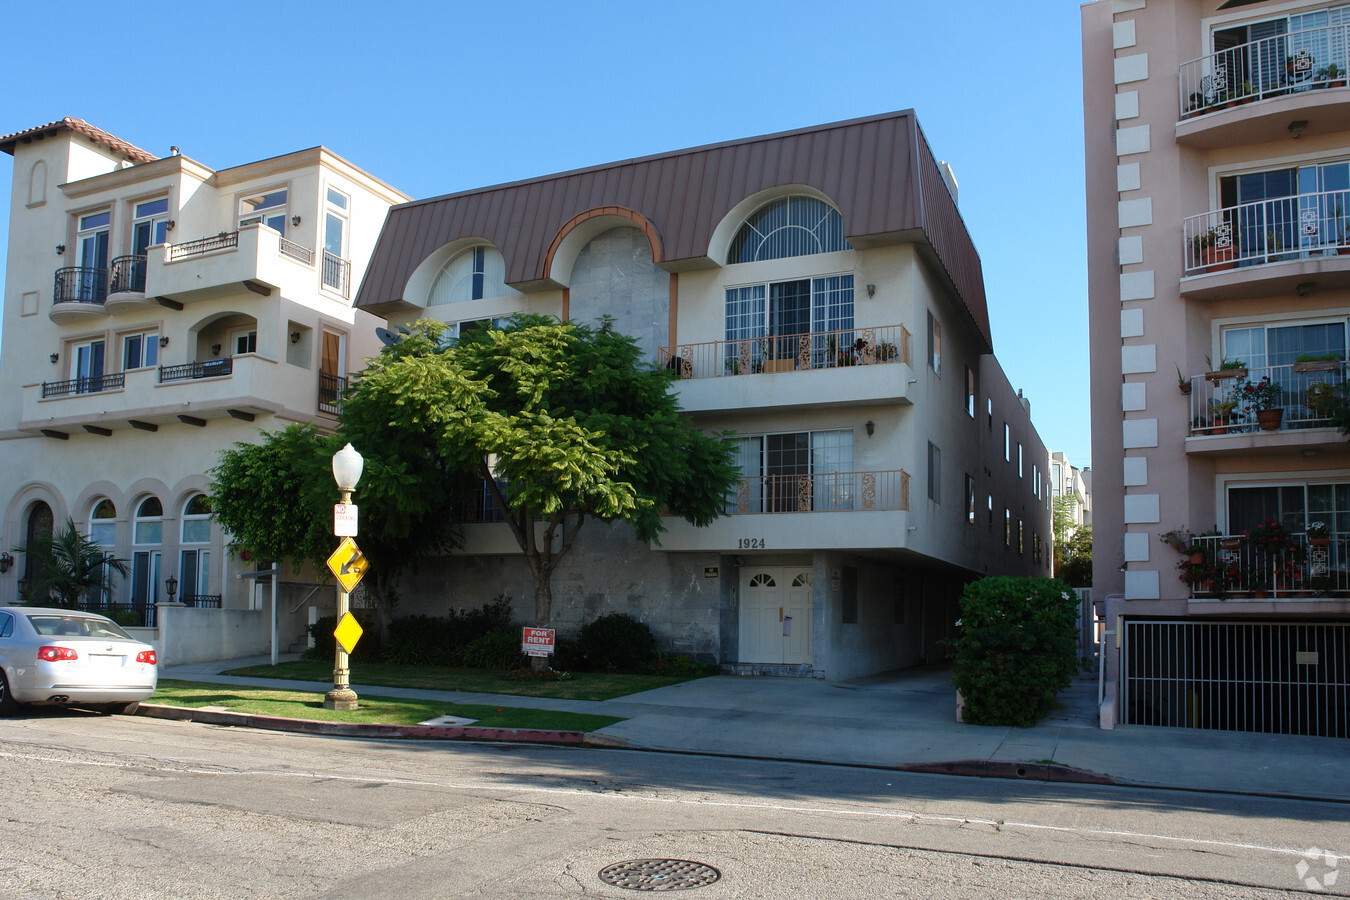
column 1263, row 398
column 1319, row 535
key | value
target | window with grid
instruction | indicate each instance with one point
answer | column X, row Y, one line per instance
column 789, row 226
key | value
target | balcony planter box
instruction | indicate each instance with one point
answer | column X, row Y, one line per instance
column 1319, row 542
column 1220, row 374
column 1230, row 543
column 1270, row 419
column 1318, row 365
column 1217, row 259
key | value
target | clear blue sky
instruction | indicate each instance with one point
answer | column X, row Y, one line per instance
column 440, row 97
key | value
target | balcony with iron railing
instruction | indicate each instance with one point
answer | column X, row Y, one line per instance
column 337, row 274
column 78, row 294
column 1298, row 400
column 90, row 384
column 1245, row 94
column 853, row 366
column 1234, row 251
column 1248, row 566
column 255, row 258
column 331, row 389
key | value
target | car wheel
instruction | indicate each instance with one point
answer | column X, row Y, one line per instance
column 8, row 705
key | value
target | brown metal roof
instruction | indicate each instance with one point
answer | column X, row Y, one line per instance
column 878, row 171
column 131, row 151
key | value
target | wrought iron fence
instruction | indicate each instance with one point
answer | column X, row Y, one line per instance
column 296, row 252
column 1289, row 63
column 223, row 241
column 789, row 352
column 89, row 385
column 208, row 369
column 821, row 492
column 1272, row 677
column 1306, row 395
column 337, row 273
column 331, row 389
column 1267, row 231
column 128, row 275
column 202, row 601
column 132, row 615
column 80, row 284
column 1238, row 566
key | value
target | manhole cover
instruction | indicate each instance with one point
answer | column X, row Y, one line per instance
column 659, row 874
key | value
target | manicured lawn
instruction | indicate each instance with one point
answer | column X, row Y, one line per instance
column 373, row 710
column 582, row 685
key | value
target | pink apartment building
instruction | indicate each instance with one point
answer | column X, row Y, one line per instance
column 1218, row 184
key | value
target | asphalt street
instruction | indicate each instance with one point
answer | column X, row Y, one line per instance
column 130, row 807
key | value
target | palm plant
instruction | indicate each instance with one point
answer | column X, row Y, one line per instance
column 68, row 566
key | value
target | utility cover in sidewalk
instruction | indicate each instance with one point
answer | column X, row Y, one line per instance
column 348, row 632
column 659, row 874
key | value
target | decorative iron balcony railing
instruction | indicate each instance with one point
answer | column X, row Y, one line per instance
column 789, row 352
column 1267, row 231
column 1242, row 566
column 296, row 252
column 91, row 384
column 223, row 241
column 1224, row 402
column 1271, row 67
column 337, row 273
column 331, row 389
column 821, row 492
column 80, row 284
column 208, row 369
column 128, row 275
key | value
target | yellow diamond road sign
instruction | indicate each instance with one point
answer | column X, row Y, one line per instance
column 347, row 564
column 348, row 632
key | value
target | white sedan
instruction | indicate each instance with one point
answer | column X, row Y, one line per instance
column 66, row 657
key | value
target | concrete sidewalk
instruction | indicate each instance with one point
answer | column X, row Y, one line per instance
column 907, row 719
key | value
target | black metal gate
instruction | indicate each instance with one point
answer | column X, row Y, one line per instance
column 1274, row 677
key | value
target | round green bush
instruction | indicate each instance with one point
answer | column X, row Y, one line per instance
column 499, row 649
column 615, row 643
column 1016, row 649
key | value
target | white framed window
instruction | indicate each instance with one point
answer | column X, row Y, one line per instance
column 140, row 351
column 267, row 207
column 934, row 343
column 796, row 471
column 970, row 392
column 789, row 226
column 149, row 225
column 103, row 531
column 970, row 499
column 87, row 366
column 147, row 534
column 194, row 563
column 934, row 473
column 774, row 316
column 473, row 274
column 335, row 271
column 244, row 340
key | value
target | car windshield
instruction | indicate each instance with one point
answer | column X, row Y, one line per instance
column 76, row 626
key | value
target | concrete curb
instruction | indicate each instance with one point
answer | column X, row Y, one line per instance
column 354, row 729
column 989, row 768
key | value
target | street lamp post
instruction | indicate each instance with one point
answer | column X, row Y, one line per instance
column 347, row 467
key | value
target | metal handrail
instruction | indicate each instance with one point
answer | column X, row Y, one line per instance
column 1235, row 564
column 80, row 284
column 128, row 275
column 223, row 241
column 1305, row 393
column 843, row 348
column 1267, row 231
column 1270, row 67
column 821, row 492
column 331, row 389
column 337, row 273
column 295, row 251
column 90, row 384
column 208, row 369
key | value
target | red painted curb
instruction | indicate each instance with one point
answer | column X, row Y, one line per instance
column 353, row 729
column 998, row 769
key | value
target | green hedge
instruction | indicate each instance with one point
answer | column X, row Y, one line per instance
column 1017, row 647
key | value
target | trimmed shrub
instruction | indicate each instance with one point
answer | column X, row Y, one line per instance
column 615, row 643
column 428, row 641
column 498, row 649
column 367, row 648
column 1017, row 648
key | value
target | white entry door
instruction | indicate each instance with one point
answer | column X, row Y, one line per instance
column 775, row 615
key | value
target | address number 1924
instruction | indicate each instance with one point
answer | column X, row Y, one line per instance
column 750, row 544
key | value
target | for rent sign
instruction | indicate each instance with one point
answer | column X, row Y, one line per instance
column 537, row 641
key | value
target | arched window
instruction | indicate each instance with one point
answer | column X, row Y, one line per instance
column 471, row 275
column 789, row 226
column 103, row 531
column 38, row 530
column 147, row 534
column 194, row 563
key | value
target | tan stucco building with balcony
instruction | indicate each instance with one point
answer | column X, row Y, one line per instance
column 816, row 293
column 156, row 311
column 1218, row 219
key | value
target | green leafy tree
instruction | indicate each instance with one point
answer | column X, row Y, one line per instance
column 563, row 423
column 1076, row 566
column 1062, row 517
column 68, row 567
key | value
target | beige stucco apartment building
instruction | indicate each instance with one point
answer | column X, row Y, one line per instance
column 817, row 294
column 156, row 311
column 1218, row 188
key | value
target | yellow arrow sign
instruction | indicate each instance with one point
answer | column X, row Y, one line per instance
column 347, row 564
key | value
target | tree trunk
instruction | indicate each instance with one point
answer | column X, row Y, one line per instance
column 543, row 605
